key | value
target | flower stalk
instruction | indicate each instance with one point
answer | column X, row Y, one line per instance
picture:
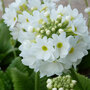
column 36, row 81
column 86, row 2
column 3, row 6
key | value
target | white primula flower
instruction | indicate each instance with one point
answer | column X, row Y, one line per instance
column 25, row 36
column 49, row 68
column 1, row 6
column 52, row 39
column 29, row 59
column 77, row 49
column 61, row 45
column 37, row 19
column 34, row 4
column 80, row 27
column 10, row 17
column 43, row 49
column 24, row 19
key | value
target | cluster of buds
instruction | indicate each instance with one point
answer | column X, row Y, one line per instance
column 54, row 27
column 61, row 83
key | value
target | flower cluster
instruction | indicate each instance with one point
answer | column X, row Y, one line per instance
column 61, row 83
column 52, row 39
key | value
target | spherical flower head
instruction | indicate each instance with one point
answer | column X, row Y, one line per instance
column 58, row 37
column 62, row 83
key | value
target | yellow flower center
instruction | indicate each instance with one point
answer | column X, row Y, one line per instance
column 27, row 20
column 44, row 48
column 59, row 45
column 75, row 29
column 40, row 21
column 14, row 19
column 71, row 50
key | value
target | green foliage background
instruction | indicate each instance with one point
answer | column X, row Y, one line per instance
column 15, row 76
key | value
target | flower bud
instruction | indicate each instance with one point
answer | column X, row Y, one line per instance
column 49, row 81
column 61, row 30
column 56, row 22
column 53, row 29
column 74, row 82
column 71, row 85
column 60, row 24
column 49, row 86
column 47, row 14
column 54, row 89
column 42, row 31
column 38, row 36
column 61, row 89
column 48, row 32
column 38, row 29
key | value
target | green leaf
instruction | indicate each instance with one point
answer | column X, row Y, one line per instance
column 4, row 37
column 21, row 80
column 2, row 87
column 5, row 46
column 83, row 83
column 5, row 83
column 85, row 64
column 18, row 71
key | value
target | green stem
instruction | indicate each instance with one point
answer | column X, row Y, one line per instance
column 37, row 81
column 14, row 52
column 69, row 1
column 88, row 21
column 86, row 2
column 3, row 6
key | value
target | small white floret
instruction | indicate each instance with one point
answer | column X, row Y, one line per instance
column 48, row 32
column 54, row 89
column 49, row 81
column 87, row 10
column 74, row 82
column 49, row 86
column 61, row 30
column 61, row 89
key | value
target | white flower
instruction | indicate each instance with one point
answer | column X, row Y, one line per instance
column 80, row 27
column 49, row 68
column 61, row 45
column 43, row 49
column 25, row 36
column 10, row 17
column 24, row 19
column 77, row 49
column 37, row 19
column 87, row 10
column 1, row 6
column 34, row 4
column 52, row 39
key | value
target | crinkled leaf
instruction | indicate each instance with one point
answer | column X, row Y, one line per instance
column 83, row 83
